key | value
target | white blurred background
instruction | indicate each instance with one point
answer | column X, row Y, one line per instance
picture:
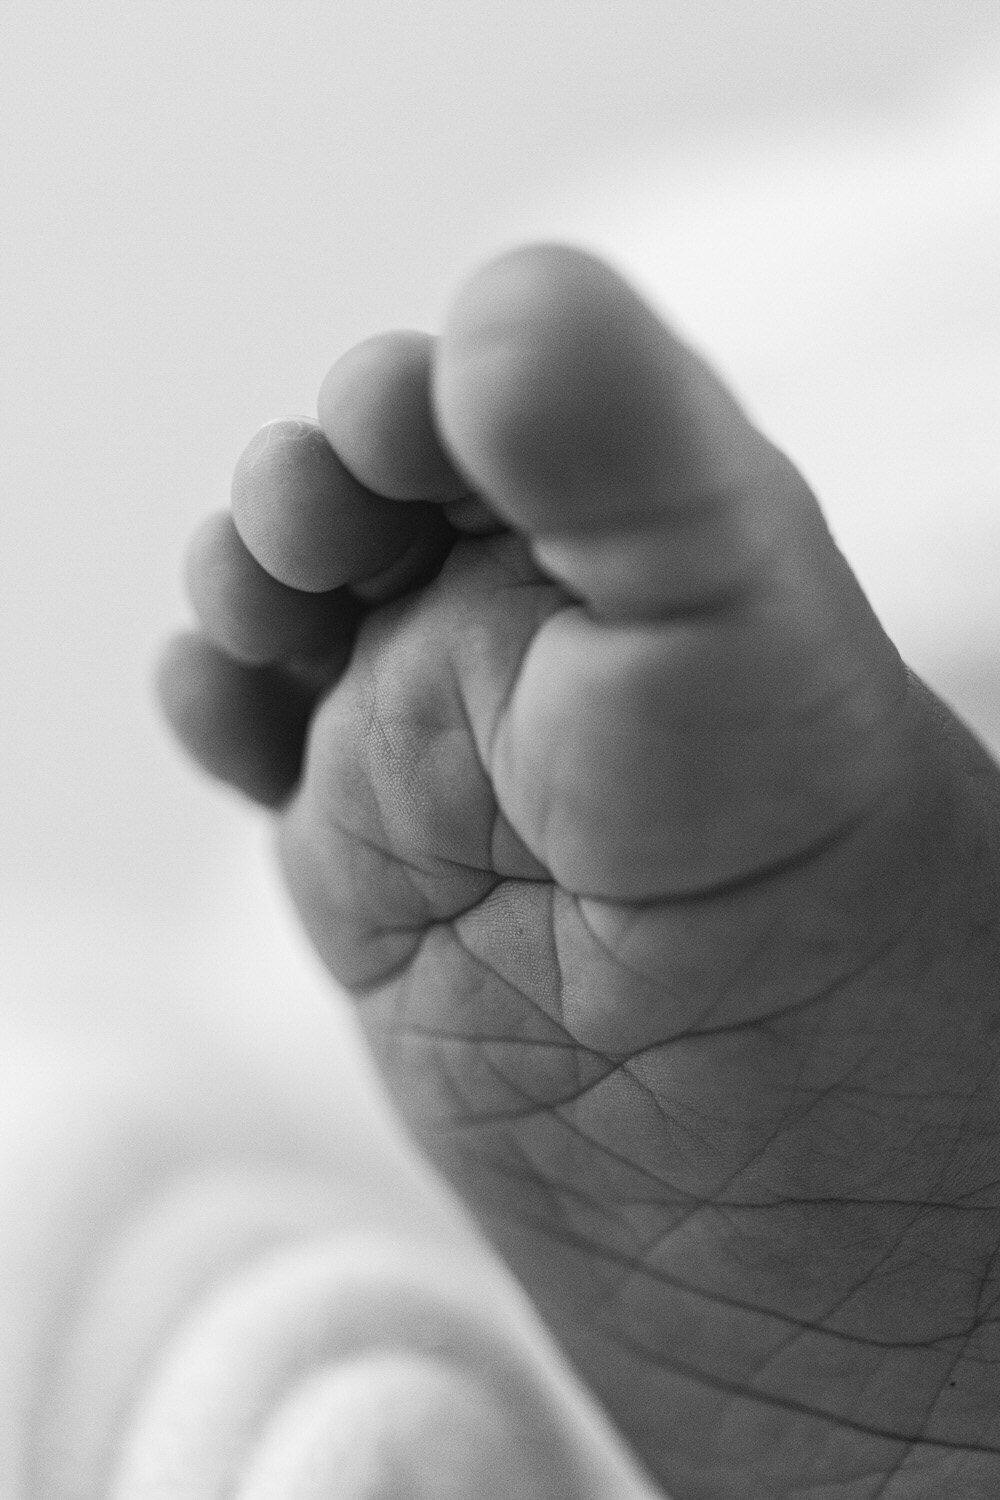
column 204, row 203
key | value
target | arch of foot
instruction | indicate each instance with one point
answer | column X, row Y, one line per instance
column 188, row 1316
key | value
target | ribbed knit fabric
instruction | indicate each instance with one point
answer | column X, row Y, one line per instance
column 194, row 1309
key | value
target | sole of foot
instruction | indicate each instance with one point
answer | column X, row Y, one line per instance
column 667, row 893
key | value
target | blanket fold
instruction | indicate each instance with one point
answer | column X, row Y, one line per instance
column 193, row 1308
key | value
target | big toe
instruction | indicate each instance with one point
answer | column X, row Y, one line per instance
column 723, row 699
column 592, row 427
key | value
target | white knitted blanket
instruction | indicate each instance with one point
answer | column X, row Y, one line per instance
column 198, row 1303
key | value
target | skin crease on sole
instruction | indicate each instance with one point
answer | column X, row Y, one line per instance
column 668, row 894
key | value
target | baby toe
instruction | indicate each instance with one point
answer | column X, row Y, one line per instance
column 244, row 725
column 248, row 613
column 306, row 519
column 375, row 409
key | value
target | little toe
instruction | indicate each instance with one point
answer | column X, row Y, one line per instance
column 244, row 725
column 375, row 409
column 248, row 613
column 305, row 517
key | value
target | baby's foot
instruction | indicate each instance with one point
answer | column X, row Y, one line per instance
column 668, row 895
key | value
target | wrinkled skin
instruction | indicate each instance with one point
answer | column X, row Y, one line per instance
column 668, row 895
